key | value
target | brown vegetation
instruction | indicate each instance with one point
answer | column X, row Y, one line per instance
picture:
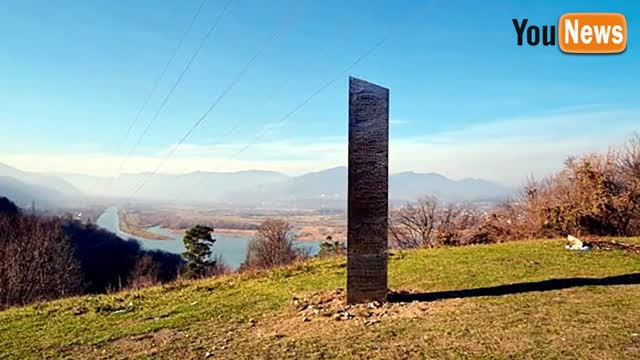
column 36, row 261
column 593, row 195
column 43, row 258
column 428, row 223
column 272, row 246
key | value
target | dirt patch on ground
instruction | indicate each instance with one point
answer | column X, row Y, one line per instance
column 331, row 306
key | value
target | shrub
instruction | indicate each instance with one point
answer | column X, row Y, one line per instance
column 272, row 246
column 594, row 194
column 427, row 223
column 153, row 268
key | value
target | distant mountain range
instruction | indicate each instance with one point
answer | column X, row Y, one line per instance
column 255, row 188
column 328, row 188
column 24, row 187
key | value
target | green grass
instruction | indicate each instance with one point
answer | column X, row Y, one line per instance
column 189, row 319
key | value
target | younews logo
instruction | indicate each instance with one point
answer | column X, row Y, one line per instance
column 578, row 33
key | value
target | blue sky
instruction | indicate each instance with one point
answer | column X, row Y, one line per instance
column 465, row 100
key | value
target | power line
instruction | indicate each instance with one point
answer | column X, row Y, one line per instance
column 159, row 78
column 323, row 87
column 156, row 83
column 212, row 106
column 178, row 81
column 313, row 95
column 282, row 120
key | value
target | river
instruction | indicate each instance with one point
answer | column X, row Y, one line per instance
column 232, row 247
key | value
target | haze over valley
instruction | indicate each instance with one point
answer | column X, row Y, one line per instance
column 266, row 189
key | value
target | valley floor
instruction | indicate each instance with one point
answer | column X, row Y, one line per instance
column 558, row 304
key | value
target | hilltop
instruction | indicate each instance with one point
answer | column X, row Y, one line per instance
column 551, row 311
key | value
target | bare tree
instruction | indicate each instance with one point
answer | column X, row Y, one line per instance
column 455, row 223
column 272, row 246
column 427, row 223
column 412, row 226
column 36, row 261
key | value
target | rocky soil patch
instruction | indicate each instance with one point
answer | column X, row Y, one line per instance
column 332, row 306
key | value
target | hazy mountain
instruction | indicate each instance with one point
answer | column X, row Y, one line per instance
column 410, row 185
column 321, row 189
column 86, row 184
column 328, row 188
column 22, row 194
column 24, row 187
column 325, row 188
column 196, row 186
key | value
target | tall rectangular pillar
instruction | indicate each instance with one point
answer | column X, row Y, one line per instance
column 368, row 192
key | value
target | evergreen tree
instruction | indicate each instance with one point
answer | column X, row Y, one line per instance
column 198, row 242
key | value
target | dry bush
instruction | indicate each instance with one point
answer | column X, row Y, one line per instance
column 412, row 226
column 594, row 194
column 629, row 164
column 507, row 221
column 37, row 261
column 145, row 273
column 272, row 246
column 219, row 267
column 588, row 197
column 149, row 272
column 427, row 223
column 457, row 223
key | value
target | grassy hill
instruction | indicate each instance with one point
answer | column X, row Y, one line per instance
column 297, row 312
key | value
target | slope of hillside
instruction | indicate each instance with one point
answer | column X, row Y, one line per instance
column 53, row 183
column 557, row 303
column 23, row 193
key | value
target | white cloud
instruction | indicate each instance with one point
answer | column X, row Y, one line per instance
column 504, row 150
